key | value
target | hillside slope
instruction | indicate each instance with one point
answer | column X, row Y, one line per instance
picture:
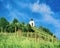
column 14, row 40
column 44, row 35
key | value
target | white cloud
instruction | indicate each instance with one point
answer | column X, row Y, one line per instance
column 41, row 8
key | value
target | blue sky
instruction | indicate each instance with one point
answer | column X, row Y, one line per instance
column 44, row 12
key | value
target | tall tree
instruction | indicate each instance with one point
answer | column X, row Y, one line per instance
column 3, row 23
column 15, row 21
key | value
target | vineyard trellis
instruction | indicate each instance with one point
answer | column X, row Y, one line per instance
column 34, row 35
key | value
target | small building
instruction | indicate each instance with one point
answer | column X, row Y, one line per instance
column 32, row 23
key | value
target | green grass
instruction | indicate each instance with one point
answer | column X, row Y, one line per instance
column 13, row 40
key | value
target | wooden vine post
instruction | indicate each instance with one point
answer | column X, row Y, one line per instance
column 28, row 34
column 15, row 28
column 35, row 36
column 1, row 29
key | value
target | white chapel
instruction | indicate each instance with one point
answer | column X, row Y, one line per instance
column 32, row 23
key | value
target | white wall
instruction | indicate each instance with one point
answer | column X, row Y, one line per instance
column 31, row 23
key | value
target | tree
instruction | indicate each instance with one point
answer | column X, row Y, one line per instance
column 15, row 21
column 22, row 26
column 15, row 24
column 3, row 23
column 10, row 28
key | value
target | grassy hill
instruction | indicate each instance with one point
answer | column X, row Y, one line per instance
column 21, row 35
column 20, row 40
column 45, row 35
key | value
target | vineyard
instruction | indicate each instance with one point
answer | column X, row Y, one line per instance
column 26, row 40
column 21, row 35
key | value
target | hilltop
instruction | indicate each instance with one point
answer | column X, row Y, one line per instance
column 15, row 26
column 20, row 35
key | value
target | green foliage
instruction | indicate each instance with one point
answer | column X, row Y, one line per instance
column 16, row 26
column 15, row 21
column 14, row 41
column 10, row 28
column 26, row 28
column 3, row 23
column 46, row 30
column 29, row 28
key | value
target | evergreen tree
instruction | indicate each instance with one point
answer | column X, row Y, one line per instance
column 3, row 23
column 15, row 21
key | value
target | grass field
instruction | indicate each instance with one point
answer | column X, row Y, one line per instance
column 13, row 40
